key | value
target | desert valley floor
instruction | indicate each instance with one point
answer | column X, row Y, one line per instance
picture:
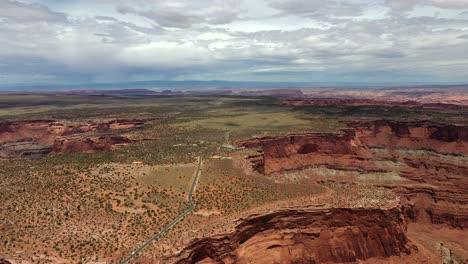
column 284, row 178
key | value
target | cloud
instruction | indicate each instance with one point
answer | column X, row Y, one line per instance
column 409, row 4
column 449, row 3
column 165, row 54
column 184, row 13
column 28, row 29
column 29, row 13
column 262, row 40
column 317, row 8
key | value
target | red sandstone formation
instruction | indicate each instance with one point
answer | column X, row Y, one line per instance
column 23, row 138
column 432, row 156
column 447, row 139
column 87, row 144
column 45, row 130
column 309, row 236
column 367, row 102
column 274, row 92
column 353, row 147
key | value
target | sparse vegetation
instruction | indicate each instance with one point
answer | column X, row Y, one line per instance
column 79, row 207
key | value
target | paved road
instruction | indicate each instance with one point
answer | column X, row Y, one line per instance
column 171, row 224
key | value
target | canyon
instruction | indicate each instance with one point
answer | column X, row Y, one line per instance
column 358, row 190
column 32, row 138
column 334, row 235
column 430, row 159
column 424, row 163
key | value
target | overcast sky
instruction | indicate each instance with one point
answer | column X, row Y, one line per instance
column 369, row 41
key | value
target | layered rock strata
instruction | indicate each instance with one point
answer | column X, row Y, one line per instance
column 431, row 157
column 309, row 236
column 38, row 137
column 88, row 144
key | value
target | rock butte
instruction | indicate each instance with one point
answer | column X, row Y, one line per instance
column 88, row 144
column 41, row 137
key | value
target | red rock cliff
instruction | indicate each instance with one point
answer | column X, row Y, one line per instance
column 433, row 156
column 38, row 136
column 309, row 236
column 88, row 144
column 352, row 148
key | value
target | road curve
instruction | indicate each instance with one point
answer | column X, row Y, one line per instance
column 189, row 210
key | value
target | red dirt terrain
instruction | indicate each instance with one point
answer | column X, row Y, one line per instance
column 41, row 137
column 4, row 261
column 429, row 160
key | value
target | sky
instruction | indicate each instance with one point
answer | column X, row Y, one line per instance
column 311, row 41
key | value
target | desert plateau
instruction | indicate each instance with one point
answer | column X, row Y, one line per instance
column 276, row 182
column 234, row 132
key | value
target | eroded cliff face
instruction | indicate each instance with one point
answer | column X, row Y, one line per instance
column 353, row 147
column 431, row 157
column 38, row 137
column 87, row 144
column 309, row 236
column 299, row 151
column 438, row 192
column 446, row 139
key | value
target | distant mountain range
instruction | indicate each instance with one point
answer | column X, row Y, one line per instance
column 187, row 85
column 150, row 84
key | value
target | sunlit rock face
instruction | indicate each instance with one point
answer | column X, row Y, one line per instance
column 432, row 156
column 309, row 236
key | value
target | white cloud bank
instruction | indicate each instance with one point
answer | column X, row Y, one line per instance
column 420, row 41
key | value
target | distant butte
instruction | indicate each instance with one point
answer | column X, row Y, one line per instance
column 41, row 137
